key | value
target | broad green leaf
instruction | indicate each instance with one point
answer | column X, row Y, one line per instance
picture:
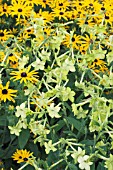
column 59, row 124
column 23, row 138
column 3, row 121
column 75, row 123
column 72, row 167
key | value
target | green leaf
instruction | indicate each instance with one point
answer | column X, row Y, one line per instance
column 34, row 148
column 29, row 167
column 60, row 124
column 72, row 167
column 101, row 167
column 75, row 123
column 93, row 167
column 88, row 142
column 23, row 138
column 3, row 121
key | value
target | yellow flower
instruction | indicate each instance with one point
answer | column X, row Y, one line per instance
column 24, row 75
column 4, row 35
column 45, row 15
column 4, row 9
column 62, row 4
column 87, row 40
column 43, row 3
column 21, row 155
column 12, row 60
column 2, row 55
column 20, row 8
column 1, row 163
column 6, row 93
column 60, row 13
column 27, row 32
column 74, row 41
column 98, row 66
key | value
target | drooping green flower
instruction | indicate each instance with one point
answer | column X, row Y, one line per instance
column 53, row 111
column 49, row 147
column 84, row 162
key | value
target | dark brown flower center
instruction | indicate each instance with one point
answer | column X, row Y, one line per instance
column 14, row 62
column 90, row 4
column 25, row 159
column 60, row 4
column 102, row 8
column 93, row 13
column 86, row 22
column 61, row 13
column 91, row 41
column 4, row 10
column 11, row 54
column 106, row 17
column 29, row 30
column 44, row 1
column 73, row 16
column 20, row 157
column 4, row 91
column 79, row 12
column 24, row 74
column 73, row 39
column 95, row 60
column 19, row 10
column 1, row 34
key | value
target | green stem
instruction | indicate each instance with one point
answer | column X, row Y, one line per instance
column 96, row 75
column 102, row 157
column 23, row 166
column 55, row 164
column 83, row 103
column 56, row 143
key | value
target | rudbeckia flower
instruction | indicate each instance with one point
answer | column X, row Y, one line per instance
column 4, row 9
column 20, row 8
column 6, row 93
column 24, row 75
column 43, row 3
column 21, row 155
column 73, row 41
column 4, row 35
column 60, row 13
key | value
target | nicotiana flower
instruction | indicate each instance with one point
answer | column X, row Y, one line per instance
column 53, row 111
column 21, row 111
column 49, row 147
column 77, row 154
column 6, row 93
column 15, row 129
column 84, row 162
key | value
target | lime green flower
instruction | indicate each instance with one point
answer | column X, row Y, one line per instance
column 49, row 147
column 77, row 154
column 15, row 130
column 21, row 111
column 84, row 163
column 53, row 110
column 38, row 64
column 109, row 162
